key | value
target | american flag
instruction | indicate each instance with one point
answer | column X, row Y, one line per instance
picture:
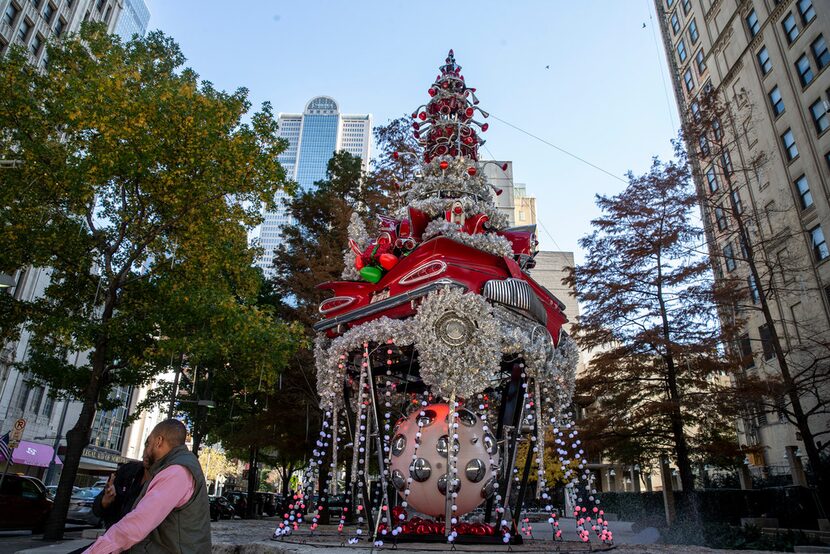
column 4, row 447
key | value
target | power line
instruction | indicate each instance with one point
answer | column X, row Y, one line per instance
column 583, row 160
column 660, row 67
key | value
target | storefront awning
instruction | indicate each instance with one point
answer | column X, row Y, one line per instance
column 33, row 454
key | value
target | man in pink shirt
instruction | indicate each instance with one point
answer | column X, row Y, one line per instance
column 172, row 513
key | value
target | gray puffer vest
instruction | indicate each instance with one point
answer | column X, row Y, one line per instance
column 186, row 530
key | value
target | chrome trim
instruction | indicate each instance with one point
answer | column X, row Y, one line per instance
column 383, row 305
column 350, row 299
column 406, row 279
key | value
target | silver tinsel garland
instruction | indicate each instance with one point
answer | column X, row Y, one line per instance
column 358, row 233
column 486, row 242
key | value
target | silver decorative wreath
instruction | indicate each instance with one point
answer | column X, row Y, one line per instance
column 458, row 342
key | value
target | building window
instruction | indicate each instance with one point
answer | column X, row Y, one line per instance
column 695, row 110
column 100, row 5
column 737, row 205
column 753, row 290
column 704, row 145
column 820, row 250
column 820, row 52
column 776, row 101
column 763, row 60
column 766, row 341
column 48, row 12
column 716, row 130
column 689, row 80
column 726, row 163
column 805, row 8
column 747, row 359
column 752, row 23
column 789, row 145
column 803, row 188
column 59, row 27
column 48, row 406
column 687, row 6
column 693, row 34
column 23, row 30
column 729, row 256
column 10, row 14
column 37, row 398
column 675, row 23
column 712, row 179
column 681, row 51
column 37, row 42
column 790, row 27
column 701, row 65
column 805, row 71
column 819, row 112
column 720, row 218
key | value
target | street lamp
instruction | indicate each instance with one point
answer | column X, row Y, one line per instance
column 209, row 404
column 6, row 281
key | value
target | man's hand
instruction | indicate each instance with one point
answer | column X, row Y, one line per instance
column 109, row 492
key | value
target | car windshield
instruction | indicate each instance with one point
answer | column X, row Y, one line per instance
column 89, row 494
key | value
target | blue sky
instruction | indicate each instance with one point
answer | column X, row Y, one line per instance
column 606, row 96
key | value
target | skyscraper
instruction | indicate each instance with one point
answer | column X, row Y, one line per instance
column 32, row 22
column 765, row 59
column 134, row 19
column 313, row 137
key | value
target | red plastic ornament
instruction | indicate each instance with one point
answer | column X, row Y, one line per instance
column 422, row 116
column 443, row 164
column 458, row 210
column 485, row 127
column 395, row 155
column 432, row 92
column 469, row 112
column 504, row 167
column 388, row 261
column 471, row 171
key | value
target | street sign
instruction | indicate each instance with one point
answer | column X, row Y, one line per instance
column 17, row 433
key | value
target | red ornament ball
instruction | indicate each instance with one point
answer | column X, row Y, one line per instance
column 471, row 171
column 444, row 165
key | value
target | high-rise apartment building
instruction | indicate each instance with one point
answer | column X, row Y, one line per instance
column 766, row 60
column 30, row 23
column 134, row 19
column 313, row 137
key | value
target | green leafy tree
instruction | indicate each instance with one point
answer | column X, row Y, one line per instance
column 650, row 316
column 135, row 177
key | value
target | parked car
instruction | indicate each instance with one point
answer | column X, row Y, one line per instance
column 100, row 484
column 51, row 490
column 221, row 508
column 267, row 503
column 24, row 503
column 239, row 501
column 80, row 507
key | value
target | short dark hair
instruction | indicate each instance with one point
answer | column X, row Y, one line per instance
column 173, row 431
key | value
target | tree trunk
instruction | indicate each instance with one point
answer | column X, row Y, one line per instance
column 252, row 480
column 684, row 466
column 78, row 437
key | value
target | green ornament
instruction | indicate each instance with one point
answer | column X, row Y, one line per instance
column 371, row 273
